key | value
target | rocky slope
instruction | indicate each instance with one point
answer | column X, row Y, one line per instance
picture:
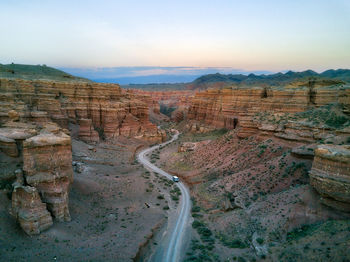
column 253, row 177
column 253, row 195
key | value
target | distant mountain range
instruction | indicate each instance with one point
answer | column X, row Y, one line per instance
column 174, row 82
column 151, row 74
column 219, row 80
column 151, row 79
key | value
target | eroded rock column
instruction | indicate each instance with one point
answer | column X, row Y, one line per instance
column 47, row 163
column 330, row 175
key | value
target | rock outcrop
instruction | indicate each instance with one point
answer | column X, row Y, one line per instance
column 40, row 191
column 187, row 147
column 170, row 98
column 29, row 210
column 47, row 164
column 100, row 109
column 247, row 108
column 330, row 175
column 179, row 100
column 34, row 121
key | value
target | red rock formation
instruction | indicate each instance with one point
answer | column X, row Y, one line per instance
column 237, row 107
column 104, row 104
column 171, row 99
column 178, row 115
column 47, row 163
column 86, row 131
column 330, row 175
column 44, row 152
column 28, row 135
column 29, row 210
column 8, row 146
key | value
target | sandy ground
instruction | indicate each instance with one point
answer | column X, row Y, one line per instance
column 110, row 217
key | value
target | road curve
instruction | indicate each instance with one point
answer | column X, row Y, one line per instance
column 175, row 241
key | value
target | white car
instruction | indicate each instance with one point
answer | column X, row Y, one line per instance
column 176, row 179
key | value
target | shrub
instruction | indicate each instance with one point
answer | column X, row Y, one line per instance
column 197, row 224
column 260, row 240
column 196, row 209
column 175, row 198
column 230, row 242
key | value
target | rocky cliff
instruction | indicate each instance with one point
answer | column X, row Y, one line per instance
column 103, row 111
column 35, row 144
column 248, row 108
column 174, row 102
column 330, row 175
column 173, row 98
column 300, row 116
column 37, row 159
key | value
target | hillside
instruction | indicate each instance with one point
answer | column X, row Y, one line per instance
column 278, row 79
column 339, row 76
column 36, row 72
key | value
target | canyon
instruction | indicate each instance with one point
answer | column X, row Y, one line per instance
column 34, row 120
column 264, row 164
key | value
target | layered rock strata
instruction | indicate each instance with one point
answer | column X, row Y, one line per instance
column 47, row 163
column 41, row 191
column 171, row 98
column 29, row 210
column 330, row 175
column 179, row 100
column 102, row 109
column 231, row 108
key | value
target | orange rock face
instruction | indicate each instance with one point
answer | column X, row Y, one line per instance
column 41, row 189
column 47, row 163
column 34, row 117
column 29, row 210
column 330, row 175
column 236, row 107
column 101, row 109
column 172, row 99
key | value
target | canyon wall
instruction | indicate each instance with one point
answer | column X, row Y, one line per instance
column 240, row 107
column 35, row 144
column 178, row 100
column 103, row 111
column 301, row 117
column 172, row 98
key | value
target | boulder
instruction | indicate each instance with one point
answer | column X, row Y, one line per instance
column 29, row 210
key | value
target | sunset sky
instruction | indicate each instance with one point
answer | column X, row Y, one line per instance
column 268, row 35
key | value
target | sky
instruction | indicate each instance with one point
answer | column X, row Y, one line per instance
column 250, row 35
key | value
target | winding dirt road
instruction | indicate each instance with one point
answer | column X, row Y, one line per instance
column 173, row 240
